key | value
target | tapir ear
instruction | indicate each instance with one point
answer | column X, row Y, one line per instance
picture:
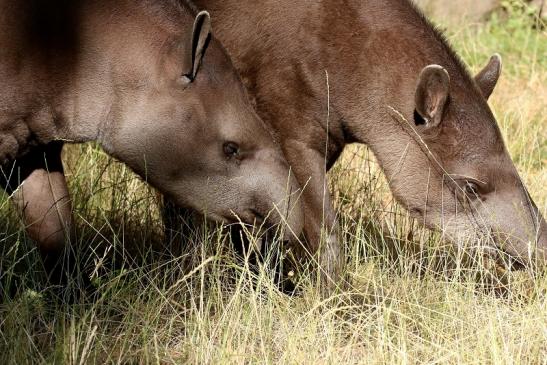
column 489, row 76
column 201, row 35
column 432, row 95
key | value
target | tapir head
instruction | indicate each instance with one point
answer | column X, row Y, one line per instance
column 473, row 191
column 189, row 129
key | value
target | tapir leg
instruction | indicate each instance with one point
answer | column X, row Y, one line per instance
column 44, row 203
column 320, row 227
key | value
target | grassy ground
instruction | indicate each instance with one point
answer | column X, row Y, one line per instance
column 413, row 299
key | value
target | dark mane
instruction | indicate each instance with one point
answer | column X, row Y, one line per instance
column 439, row 36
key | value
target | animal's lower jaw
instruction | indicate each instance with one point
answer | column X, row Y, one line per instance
column 485, row 246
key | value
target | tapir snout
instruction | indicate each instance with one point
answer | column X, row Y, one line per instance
column 519, row 229
column 276, row 204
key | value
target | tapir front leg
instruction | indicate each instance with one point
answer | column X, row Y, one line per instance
column 320, row 226
column 44, row 203
column 45, row 206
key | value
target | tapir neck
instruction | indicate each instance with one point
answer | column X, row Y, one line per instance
column 391, row 42
column 52, row 71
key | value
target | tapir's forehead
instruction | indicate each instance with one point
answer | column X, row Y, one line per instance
column 486, row 163
column 218, row 67
column 472, row 141
column 238, row 122
column 478, row 133
column 227, row 103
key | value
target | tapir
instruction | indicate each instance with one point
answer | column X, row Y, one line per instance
column 326, row 73
column 148, row 82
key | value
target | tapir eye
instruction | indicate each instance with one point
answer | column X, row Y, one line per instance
column 471, row 190
column 231, row 149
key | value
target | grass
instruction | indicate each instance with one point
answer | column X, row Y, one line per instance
column 413, row 299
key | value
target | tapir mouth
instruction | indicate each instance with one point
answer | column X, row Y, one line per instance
column 509, row 260
column 497, row 247
column 256, row 222
column 515, row 263
column 509, row 256
column 250, row 217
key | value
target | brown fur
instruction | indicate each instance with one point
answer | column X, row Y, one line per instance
column 373, row 52
column 153, row 89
